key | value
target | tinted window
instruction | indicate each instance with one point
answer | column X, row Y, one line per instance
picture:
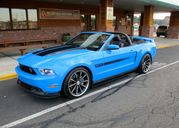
column 114, row 21
column 32, row 18
column 162, row 27
column 19, row 19
column 4, row 19
column 93, row 22
column 83, row 23
column 88, row 22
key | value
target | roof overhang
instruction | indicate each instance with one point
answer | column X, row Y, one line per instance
column 131, row 5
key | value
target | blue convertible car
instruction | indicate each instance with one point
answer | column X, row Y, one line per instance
column 88, row 58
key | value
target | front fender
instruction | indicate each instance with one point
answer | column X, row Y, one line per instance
column 62, row 69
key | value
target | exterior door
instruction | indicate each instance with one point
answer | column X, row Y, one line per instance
column 118, row 61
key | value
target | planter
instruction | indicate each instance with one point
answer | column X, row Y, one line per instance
column 66, row 37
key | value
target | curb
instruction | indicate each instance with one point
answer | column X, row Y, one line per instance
column 8, row 76
column 166, row 46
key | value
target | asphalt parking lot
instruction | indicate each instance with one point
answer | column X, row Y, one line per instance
column 148, row 101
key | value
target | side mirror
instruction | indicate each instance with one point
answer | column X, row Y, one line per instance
column 113, row 47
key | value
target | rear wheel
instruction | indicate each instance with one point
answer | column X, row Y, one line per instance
column 76, row 83
column 145, row 64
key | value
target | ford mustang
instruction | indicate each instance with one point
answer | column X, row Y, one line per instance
column 88, row 58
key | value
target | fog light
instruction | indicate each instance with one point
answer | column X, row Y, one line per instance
column 52, row 86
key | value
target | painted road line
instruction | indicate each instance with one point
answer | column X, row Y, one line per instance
column 8, row 76
column 43, row 112
column 61, row 105
column 154, row 70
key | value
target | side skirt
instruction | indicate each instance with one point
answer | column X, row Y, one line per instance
column 114, row 77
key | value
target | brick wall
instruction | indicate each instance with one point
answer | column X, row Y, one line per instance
column 173, row 32
column 47, row 28
column 46, row 32
column 123, row 27
column 147, row 31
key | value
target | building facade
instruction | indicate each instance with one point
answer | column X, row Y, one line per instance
column 36, row 19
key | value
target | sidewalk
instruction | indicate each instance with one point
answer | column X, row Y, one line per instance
column 8, row 61
column 7, row 65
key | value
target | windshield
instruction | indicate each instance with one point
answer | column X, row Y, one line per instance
column 89, row 40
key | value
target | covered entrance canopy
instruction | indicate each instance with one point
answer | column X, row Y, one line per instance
column 130, row 5
column 146, row 7
column 97, row 15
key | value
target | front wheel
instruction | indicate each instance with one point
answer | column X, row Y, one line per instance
column 145, row 64
column 76, row 83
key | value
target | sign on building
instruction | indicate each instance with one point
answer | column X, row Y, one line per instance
column 49, row 13
column 109, row 13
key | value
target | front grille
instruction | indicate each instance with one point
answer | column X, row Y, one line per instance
column 27, row 69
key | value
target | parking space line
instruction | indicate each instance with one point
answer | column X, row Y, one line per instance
column 43, row 112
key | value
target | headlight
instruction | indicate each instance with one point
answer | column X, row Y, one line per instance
column 48, row 72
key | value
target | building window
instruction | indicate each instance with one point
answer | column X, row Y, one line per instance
column 114, row 21
column 93, row 22
column 4, row 19
column 19, row 19
column 83, row 23
column 32, row 18
column 14, row 19
column 88, row 22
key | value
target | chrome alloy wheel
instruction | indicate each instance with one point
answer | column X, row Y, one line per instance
column 78, row 83
column 146, row 63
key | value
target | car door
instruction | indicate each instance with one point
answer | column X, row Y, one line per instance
column 118, row 61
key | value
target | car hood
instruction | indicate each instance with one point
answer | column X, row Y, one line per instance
column 48, row 57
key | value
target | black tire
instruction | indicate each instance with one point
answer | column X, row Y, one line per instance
column 73, row 82
column 145, row 64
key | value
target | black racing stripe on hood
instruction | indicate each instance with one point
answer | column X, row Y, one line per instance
column 53, row 50
column 46, row 49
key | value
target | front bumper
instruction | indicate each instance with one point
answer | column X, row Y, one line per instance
column 47, row 84
column 35, row 91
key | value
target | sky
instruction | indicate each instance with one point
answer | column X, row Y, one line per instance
column 160, row 15
column 175, row 2
column 157, row 15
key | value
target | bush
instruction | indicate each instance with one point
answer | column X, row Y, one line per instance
column 66, row 37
